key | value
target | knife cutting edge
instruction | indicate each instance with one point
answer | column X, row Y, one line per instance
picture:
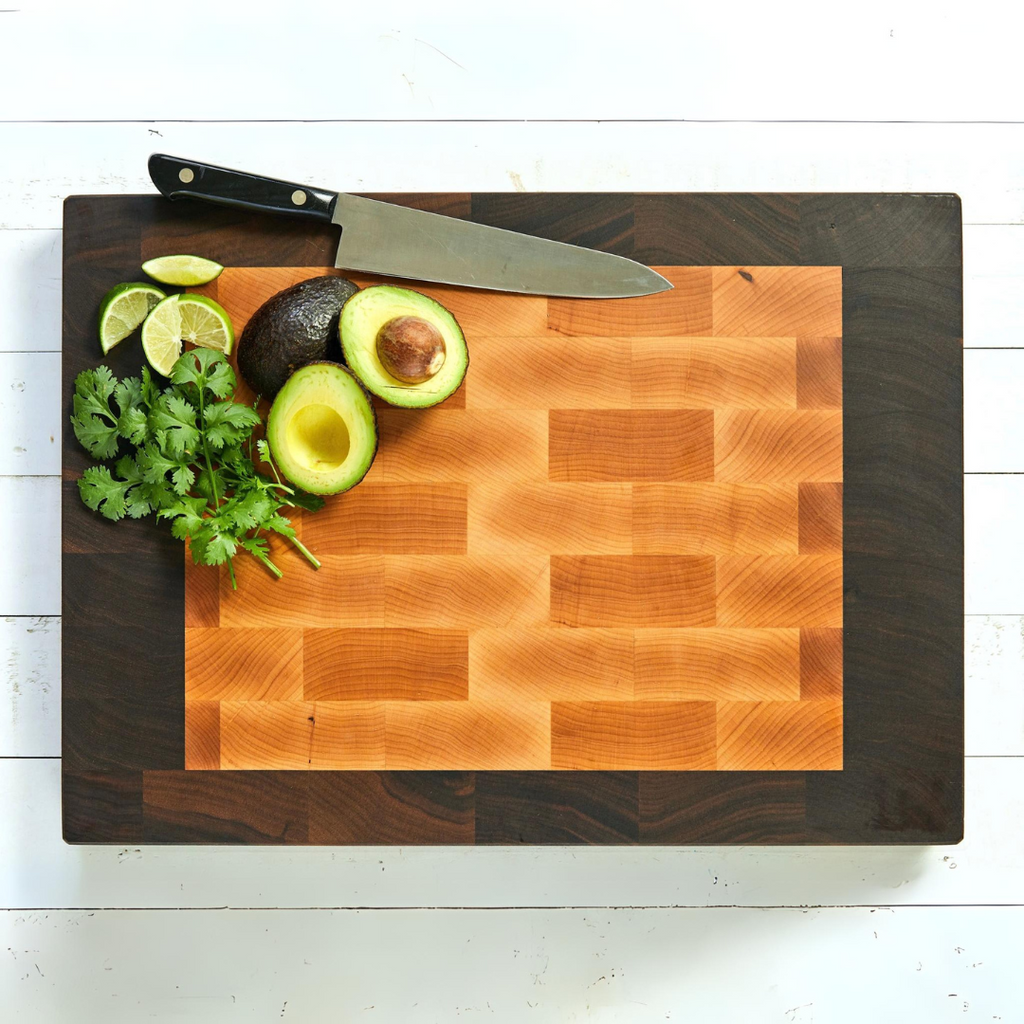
column 382, row 238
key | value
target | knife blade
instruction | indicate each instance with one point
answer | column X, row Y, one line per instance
column 383, row 238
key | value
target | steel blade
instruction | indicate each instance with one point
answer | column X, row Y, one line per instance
column 381, row 238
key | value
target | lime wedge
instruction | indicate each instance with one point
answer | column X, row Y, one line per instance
column 123, row 308
column 186, row 271
column 181, row 318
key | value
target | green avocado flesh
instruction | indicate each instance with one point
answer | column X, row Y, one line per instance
column 322, row 429
column 362, row 318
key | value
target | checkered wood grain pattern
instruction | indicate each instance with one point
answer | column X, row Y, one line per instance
column 618, row 546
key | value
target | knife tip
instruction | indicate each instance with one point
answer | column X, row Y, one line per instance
column 656, row 283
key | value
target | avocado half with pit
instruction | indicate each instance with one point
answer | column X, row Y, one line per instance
column 322, row 429
column 405, row 347
column 292, row 328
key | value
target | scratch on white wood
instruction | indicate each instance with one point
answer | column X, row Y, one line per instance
column 553, row 966
column 36, row 175
column 30, row 397
column 533, row 60
column 994, row 712
column 30, row 580
column 30, row 704
column 30, row 291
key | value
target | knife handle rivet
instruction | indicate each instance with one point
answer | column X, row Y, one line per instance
column 298, row 197
column 186, row 174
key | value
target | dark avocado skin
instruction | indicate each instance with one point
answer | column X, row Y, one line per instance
column 291, row 329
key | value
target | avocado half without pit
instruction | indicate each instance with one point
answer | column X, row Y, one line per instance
column 405, row 347
column 322, row 429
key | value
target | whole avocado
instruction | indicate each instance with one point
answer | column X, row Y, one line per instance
column 293, row 328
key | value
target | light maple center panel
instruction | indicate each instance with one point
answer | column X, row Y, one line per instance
column 618, row 546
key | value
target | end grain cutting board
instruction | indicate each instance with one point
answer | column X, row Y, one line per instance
column 618, row 546
column 678, row 569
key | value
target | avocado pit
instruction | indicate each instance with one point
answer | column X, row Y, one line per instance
column 410, row 349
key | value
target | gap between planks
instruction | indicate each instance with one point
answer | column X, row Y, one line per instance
column 567, row 907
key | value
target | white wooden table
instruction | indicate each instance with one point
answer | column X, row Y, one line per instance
column 530, row 99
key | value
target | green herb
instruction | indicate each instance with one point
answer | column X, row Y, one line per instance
column 193, row 459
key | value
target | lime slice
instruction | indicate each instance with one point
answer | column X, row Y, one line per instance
column 123, row 308
column 181, row 318
column 186, row 271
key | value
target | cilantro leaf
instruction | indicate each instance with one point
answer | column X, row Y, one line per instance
column 250, row 510
column 155, row 466
column 310, row 502
column 234, row 458
column 206, row 369
column 137, row 496
column 94, row 388
column 150, row 391
column 182, row 479
column 96, row 437
column 260, row 550
column 173, row 415
column 186, row 515
column 102, row 493
column 204, row 484
column 133, row 421
column 228, row 423
column 221, row 380
column 280, row 525
column 94, row 424
column 213, row 543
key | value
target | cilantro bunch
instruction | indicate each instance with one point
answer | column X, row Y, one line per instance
column 192, row 463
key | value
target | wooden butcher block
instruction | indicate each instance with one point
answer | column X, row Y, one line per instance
column 678, row 569
column 618, row 546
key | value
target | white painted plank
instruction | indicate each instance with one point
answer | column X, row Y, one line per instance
column 41, row 871
column 30, row 571
column 837, row 966
column 994, row 410
column 30, row 695
column 534, row 60
column 994, row 681
column 993, row 286
column 994, row 545
column 29, row 413
column 30, row 291
column 36, row 173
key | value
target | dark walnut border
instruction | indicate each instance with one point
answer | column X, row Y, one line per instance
column 123, row 605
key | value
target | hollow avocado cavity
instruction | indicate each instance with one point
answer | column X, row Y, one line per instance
column 318, row 437
column 322, row 429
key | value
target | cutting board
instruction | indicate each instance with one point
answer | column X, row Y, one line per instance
column 679, row 569
column 617, row 546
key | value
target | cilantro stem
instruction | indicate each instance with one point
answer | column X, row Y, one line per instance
column 209, row 466
column 273, row 568
column 231, row 573
column 273, row 468
column 313, row 560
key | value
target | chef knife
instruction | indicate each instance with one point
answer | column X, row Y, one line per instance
column 382, row 238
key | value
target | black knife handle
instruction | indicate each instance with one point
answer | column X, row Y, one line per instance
column 177, row 177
